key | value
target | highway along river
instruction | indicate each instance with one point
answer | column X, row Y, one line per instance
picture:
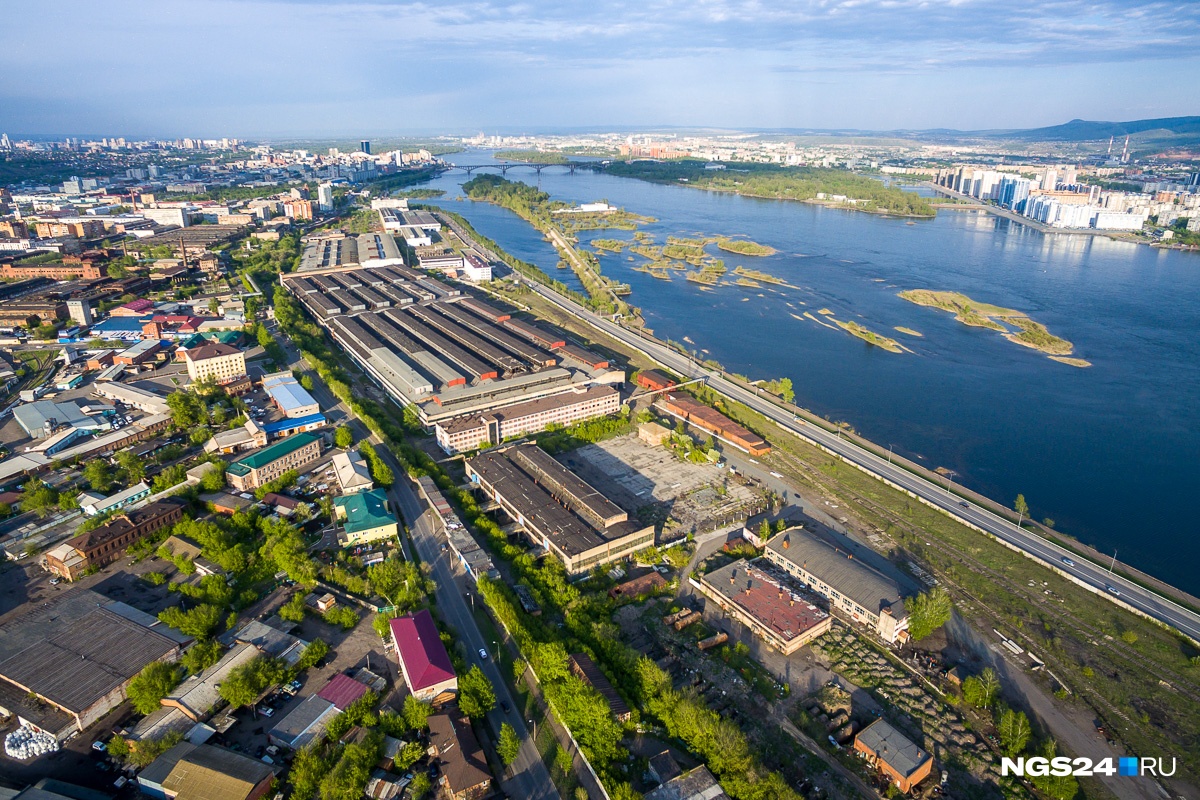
column 1111, row 452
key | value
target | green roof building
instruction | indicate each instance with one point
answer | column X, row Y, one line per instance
column 365, row 518
column 266, row 465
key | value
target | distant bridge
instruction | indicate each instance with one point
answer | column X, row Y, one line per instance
column 505, row 167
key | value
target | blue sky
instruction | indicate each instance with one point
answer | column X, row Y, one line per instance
column 323, row 67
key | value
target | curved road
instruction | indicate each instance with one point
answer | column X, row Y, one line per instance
column 1095, row 576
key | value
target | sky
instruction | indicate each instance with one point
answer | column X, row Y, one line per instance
column 279, row 68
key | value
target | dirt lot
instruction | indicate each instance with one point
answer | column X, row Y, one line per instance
column 635, row 475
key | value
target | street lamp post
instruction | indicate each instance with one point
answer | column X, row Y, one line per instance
column 889, row 453
column 534, row 724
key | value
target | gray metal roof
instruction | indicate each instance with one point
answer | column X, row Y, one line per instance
column 76, row 651
column 889, row 745
column 852, row 577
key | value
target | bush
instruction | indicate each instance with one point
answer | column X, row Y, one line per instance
column 316, row 650
column 341, row 615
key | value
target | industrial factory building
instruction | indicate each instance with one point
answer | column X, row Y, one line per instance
column 556, row 509
column 455, row 359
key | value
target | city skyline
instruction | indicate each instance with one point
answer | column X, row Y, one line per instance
column 328, row 68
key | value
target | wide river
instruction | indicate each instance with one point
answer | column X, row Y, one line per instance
column 1110, row 452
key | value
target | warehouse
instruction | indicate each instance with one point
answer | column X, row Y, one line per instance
column 686, row 407
column 447, row 355
column 556, row 509
column 289, row 396
column 861, row 592
column 76, row 652
column 763, row 600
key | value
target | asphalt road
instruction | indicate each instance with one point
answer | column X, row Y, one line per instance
column 527, row 776
column 1110, row 586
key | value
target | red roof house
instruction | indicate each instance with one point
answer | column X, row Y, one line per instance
column 342, row 690
column 424, row 661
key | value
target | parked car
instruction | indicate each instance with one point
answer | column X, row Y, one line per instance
column 99, row 747
column 267, row 711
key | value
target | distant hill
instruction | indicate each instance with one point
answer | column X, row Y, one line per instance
column 1080, row 130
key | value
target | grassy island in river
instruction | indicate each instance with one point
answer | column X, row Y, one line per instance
column 781, row 183
column 1015, row 325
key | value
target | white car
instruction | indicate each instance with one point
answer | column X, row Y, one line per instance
column 483, row 654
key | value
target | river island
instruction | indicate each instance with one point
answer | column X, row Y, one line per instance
column 1016, row 326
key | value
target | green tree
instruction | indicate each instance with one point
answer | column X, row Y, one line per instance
column 416, row 713
column 343, row 437
column 929, row 611
column 1014, row 731
column 151, row 685
column 38, row 497
column 201, row 656
column 1021, row 507
column 400, row 582
column 187, row 409
column 201, row 621
column 293, row 610
column 98, row 475
column 316, row 650
column 132, row 468
column 420, row 786
column 308, row 768
column 508, row 746
column 245, row 683
column 475, row 694
column 341, row 615
column 981, row 690
column 1058, row 787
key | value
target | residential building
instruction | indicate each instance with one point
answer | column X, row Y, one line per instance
column 353, row 474
column 462, row 765
column 215, row 361
column 852, row 587
column 266, row 465
column 204, row 772
column 556, row 509
column 365, row 518
column 247, row 437
column 94, row 504
column 104, row 545
column 760, row 598
column 892, row 754
column 424, row 662
column 466, row 433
